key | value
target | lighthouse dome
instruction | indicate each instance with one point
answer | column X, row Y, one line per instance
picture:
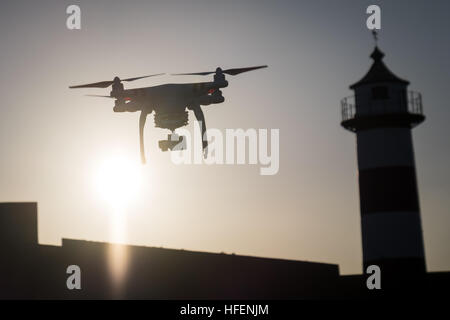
column 378, row 72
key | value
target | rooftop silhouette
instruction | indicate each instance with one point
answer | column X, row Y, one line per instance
column 35, row 271
column 39, row 271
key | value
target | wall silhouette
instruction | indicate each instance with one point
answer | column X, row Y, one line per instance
column 32, row 271
column 39, row 271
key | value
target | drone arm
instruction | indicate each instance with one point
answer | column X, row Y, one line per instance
column 201, row 118
column 142, row 119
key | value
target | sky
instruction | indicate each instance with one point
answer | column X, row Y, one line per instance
column 54, row 141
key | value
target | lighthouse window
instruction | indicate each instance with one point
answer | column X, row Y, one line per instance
column 380, row 93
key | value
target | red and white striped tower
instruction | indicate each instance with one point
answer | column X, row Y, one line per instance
column 382, row 114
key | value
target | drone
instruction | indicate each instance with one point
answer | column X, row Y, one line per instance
column 169, row 102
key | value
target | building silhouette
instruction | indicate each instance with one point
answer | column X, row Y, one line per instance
column 33, row 271
column 36, row 271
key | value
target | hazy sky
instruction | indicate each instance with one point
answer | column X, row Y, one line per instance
column 53, row 140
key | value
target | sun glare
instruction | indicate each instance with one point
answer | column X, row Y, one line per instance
column 118, row 181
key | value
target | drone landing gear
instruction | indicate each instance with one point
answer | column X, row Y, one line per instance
column 174, row 142
column 142, row 119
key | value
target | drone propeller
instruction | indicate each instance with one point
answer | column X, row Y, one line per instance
column 105, row 84
column 232, row 72
column 99, row 96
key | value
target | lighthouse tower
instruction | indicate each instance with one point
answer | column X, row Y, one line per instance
column 382, row 113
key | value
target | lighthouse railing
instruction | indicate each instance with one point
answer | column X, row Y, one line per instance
column 415, row 102
column 413, row 105
column 348, row 108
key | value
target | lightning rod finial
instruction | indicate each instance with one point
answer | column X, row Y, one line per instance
column 375, row 36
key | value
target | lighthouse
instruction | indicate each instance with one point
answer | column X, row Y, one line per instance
column 382, row 113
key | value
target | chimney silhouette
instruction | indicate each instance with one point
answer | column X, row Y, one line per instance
column 382, row 113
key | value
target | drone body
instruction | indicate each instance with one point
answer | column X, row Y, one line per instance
column 169, row 102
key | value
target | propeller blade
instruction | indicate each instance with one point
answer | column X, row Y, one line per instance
column 105, row 84
column 99, row 96
column 194, row 73
column 137, row 78
column 102, row 84
column 231, row 72
column 237, row 71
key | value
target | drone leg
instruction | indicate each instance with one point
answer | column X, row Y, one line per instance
column 201, row 118
column 142, row 119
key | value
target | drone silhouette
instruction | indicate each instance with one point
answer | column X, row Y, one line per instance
column 169, row 102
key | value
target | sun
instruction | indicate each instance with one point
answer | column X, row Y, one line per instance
column 118, row 181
